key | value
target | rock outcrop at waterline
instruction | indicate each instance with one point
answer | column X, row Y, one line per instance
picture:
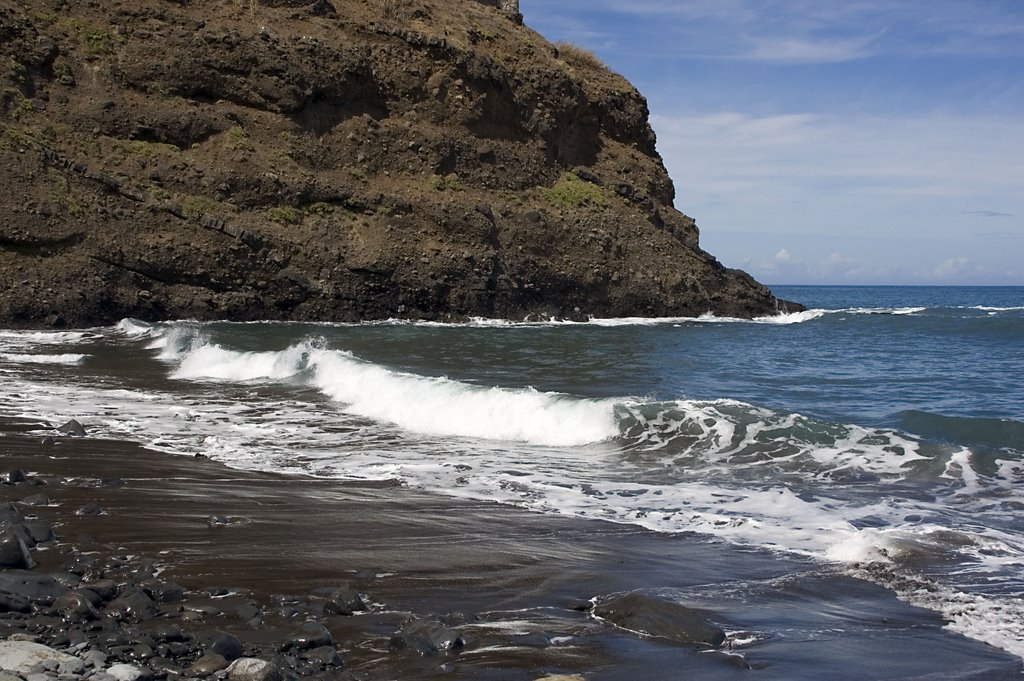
column 333, row 160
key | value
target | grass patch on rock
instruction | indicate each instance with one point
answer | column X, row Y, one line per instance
column 572, row 192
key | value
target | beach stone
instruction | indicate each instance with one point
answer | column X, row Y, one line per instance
column 326, row 656
column 309, row 635
column 15, row 476
column 253, row 669
column 169, row 633
column 645, row 614
column 427, row 637
column 129, row 672
column 133, row 604
column 39, row 530
column 94, row 658
column 223, row 643
column 208, row 664
column 36, row 588
column 561, row 677
column 169, row 592
column 72, row 428
column 104, row 588
column 9, row 514
column 14, row 603
column 25, row 657
column 47, row 441
column 21, row 531
column 9, row 676
column 344, row 601
column 73, row 666
column 36, row 500
column 76, row 606
column 90, row 595
column 92, row 508
column 83, row 565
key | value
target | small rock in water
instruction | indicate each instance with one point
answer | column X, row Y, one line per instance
column 92, row 508
column 15, row 476
column 309, row 635
column 36, row 500
column 344, row 601
column 72, row 428
column 655, row 617
column 47, row 441
column 427, row 637
column 326, row 656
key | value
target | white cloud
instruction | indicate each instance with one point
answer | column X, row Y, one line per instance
column 952, row 267
column 858, row 174
column 808, row 51
column 811, row 31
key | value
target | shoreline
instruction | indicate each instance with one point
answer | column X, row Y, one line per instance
column 258, row 554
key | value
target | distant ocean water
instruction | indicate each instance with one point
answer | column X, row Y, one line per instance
column 881, row 431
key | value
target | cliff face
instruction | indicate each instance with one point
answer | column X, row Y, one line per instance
column 335, row 160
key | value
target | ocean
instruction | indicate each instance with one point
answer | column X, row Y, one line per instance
column 880, row 433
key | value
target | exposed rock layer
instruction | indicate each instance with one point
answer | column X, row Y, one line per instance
column 342, row 160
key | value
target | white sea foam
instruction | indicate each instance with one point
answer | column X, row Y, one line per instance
column 43, row 337
column 986, row 308
column 995, row 619
column 440, row 406
column 212, row 362
column 65, row 358
column 133, row 328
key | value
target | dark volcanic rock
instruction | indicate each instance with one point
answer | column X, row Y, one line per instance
column 132, row 604
column 655, row 617
column 344, row 601
column 76, row 606
column 427, row 637
column 34, row 587
column 309, row 635
column 224, row 644
column 13, row 551
column 72, row 428
column 330, row 161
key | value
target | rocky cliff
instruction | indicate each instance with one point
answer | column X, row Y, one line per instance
column 334, row 160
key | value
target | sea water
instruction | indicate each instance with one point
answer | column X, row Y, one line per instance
column 881, row 432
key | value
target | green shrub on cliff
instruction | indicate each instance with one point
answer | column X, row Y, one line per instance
column 285, row 215
column 572, row 192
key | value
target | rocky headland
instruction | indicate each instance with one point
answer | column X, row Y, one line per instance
column 330, row 160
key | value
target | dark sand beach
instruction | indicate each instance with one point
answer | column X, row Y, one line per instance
column 259, row 554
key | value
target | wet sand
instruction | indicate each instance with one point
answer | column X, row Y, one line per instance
column 257, row 553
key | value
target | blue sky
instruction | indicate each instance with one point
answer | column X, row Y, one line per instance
column 830, row 141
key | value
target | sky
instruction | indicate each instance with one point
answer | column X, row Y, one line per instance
column 830, row 141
